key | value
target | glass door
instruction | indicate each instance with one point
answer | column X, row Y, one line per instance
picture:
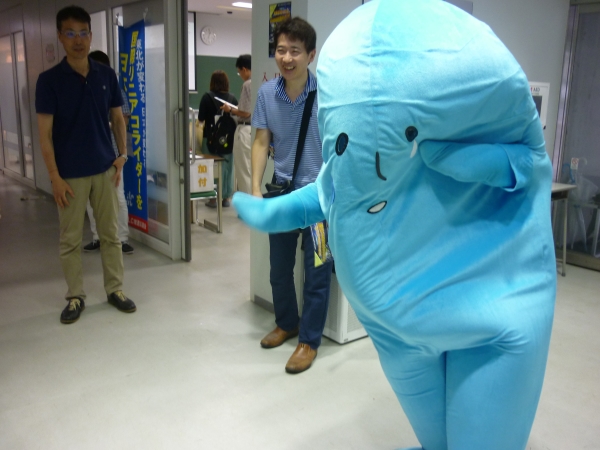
column 577, row 150
column 23, row 105
column 152, row 65
column 14, row 108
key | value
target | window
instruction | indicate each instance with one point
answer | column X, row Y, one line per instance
column 192, row 51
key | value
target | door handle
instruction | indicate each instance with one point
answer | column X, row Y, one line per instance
column 176, row 137
column 193, row 121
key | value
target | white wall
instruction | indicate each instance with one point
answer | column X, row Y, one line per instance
column 324, row 16
column 534, row 31
column 234, row 36
column 99, row 38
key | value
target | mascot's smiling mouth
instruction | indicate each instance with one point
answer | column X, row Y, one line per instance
column 411, row 133
column 341, row 145
column 377, row 208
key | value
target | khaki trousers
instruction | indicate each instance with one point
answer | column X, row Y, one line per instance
column 242, row 158
column 102, row 194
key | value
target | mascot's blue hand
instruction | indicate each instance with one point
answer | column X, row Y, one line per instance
column 298, row 209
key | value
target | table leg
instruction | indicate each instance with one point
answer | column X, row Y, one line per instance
column 564, row 247
column 219, row 196
column 596, row 231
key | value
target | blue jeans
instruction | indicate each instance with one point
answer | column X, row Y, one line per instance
column 316, row 287
column 227, row 172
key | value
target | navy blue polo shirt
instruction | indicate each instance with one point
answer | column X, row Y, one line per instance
column 80, row 133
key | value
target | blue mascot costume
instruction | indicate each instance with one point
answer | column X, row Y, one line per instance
column 436, row 186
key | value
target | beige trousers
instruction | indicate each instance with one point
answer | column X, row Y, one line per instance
column 242, row 158
column 102, row 194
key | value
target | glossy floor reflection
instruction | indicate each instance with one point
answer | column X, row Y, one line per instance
column 186, row 371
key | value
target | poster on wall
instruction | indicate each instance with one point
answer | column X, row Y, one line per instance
column 540, row 92
column 132, row 62
column 278, row 12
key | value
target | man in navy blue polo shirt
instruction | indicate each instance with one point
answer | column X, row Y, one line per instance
column 74, row 101
column 277, row 118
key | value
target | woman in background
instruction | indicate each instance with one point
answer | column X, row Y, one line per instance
column 208, row 109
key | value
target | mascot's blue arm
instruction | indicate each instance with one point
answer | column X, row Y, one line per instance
column 299, row 209
column 507, row 166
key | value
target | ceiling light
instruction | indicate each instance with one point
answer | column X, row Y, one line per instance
column 242, row 5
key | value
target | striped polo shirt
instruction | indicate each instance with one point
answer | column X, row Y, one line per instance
column 282, row 117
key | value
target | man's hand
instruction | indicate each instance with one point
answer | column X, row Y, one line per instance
column 118, row 163
column 60, row 188
column 257, row 193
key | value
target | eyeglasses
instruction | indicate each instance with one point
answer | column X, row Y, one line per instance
column 70, row 34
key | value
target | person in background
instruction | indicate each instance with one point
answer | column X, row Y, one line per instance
column 123, row 217
column 208, row 109
column 277, row 118
column 74, row 101
column 241, row 144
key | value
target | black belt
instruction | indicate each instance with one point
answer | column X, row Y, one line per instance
column 244, row 123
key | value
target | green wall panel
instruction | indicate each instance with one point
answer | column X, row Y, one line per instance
column 205, row 66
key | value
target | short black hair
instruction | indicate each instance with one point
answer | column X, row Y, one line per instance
column 76, row 13
column 100, row 56
column 297, row 29
column 244, row 62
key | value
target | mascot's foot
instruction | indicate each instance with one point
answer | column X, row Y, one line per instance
column 410, row 448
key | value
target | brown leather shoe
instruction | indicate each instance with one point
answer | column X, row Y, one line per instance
column 301, row 359
column 277, row 337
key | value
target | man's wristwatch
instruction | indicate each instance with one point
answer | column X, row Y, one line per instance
column 123, row 156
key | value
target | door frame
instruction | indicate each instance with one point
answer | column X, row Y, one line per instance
column 573, row 257
column 567, row 78
column 176, row 98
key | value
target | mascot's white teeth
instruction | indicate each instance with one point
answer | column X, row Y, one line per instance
column 377, row 208
column 414, row 149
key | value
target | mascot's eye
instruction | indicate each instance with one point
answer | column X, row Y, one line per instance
column 411, row 133
column 341, row 143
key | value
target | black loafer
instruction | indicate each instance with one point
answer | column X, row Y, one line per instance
column 72, row 311
column 121, row 302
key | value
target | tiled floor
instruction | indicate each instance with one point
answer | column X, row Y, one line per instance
column 186, row 370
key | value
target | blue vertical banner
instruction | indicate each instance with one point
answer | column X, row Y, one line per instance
column 132, row 71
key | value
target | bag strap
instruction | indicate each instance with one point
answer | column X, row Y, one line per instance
column 303, row 129
column 212, row 96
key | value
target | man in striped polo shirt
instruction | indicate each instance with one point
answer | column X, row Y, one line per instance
column 277, row 118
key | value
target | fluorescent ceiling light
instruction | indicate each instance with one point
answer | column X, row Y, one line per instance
column 242, row 5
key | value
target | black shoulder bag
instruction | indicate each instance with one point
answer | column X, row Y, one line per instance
column 274, row 189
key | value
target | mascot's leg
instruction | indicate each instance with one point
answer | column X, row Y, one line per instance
column 493, row 391
column 418, row 379
column 476, row 387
